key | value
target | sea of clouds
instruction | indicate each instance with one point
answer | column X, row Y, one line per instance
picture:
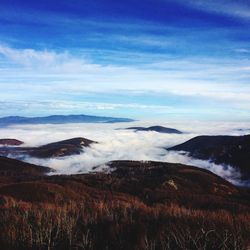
column 116, row 143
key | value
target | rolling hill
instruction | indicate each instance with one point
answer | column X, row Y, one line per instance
column 10, row 142
column 159, row 129
column 63, row 148
column 149, row 203
column 228, row 150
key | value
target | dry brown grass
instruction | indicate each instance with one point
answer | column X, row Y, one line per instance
column 131, row 209
column 119, row 225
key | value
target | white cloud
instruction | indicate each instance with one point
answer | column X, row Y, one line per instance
column 29, row 57
column 77, row 106
column 239, row 9
column 35, row 72
column 47, row 61
column 242, row 50
column 122, row 144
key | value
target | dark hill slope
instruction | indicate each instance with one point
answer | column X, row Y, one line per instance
column 11, row 167
column 230, row 150
column 10, row 142
column 151, row 182
column 138, row 205
column 57, row 149
column 62, row 148
column 159, row 129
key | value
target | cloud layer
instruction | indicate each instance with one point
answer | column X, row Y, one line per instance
column 122, row 144
column 62, row 79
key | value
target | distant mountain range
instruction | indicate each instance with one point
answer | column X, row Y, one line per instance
column 60, row 119
column 228, row 150
column 159, row 129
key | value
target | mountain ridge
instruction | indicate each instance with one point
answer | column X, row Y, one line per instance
column 157, row 128
column 228, row 150
column 73, row 146
column 60, row 119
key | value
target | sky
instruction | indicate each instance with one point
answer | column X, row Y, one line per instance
column 150, row 59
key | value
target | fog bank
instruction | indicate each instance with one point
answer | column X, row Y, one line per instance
column 123, row 144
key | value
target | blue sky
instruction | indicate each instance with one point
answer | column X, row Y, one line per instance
column 150, row 59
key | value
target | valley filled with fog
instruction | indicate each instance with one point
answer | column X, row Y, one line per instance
column 115, row 142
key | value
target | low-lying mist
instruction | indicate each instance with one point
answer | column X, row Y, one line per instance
column 122, row 144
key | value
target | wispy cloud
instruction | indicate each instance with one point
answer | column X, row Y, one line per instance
column 44, row 75
column 68, row 106
column 239, row 8
column 47, row 61
column 30, row 57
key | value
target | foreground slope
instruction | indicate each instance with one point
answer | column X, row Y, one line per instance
column 135, row 205
column 14, row 168
column 229, row 150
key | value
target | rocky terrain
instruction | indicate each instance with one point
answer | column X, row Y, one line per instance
column 135, row 205
column 228, row 150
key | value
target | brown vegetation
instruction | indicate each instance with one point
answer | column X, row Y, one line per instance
column 140, row 205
